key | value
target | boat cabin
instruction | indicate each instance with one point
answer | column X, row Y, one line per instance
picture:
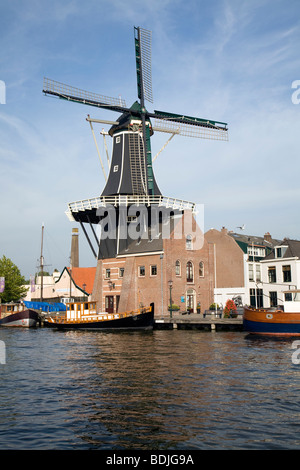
column 80, row 310
column 8, row 309
column 292, row 301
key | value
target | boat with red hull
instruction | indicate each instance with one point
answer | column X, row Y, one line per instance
column 271, row 321
column 17, row 315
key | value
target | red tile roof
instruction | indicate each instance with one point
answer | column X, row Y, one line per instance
column 83, row 276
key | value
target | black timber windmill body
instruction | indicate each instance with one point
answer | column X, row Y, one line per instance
column 131, row 180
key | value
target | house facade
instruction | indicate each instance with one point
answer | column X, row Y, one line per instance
column 175, row 270
column 255, row 250
column 281, row 273
column 238, row 269
column 72, row 284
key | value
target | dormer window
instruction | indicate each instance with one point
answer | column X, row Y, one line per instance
column 280, row 251
column 258, row 251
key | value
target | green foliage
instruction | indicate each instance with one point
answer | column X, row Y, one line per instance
column 174, row 307
column 14, row 282
column 213, row 307
column 45, row 273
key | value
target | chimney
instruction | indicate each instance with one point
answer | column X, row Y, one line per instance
column 224, row 230
column 74, row 249
column 267, row 237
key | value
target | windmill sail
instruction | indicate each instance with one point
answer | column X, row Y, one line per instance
column 143, row 63
column 189, row 126
column 70, row 93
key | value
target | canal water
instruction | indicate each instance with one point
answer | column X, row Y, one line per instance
column 155, row 390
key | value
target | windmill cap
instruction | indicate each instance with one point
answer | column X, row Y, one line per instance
column 126, row 119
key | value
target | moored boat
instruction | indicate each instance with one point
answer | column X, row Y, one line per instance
column 17, row 315
column 83, row 315
column 283, row 321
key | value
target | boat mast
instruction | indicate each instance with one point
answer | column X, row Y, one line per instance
column 42, row 263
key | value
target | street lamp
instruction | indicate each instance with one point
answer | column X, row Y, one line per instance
column 170, row 287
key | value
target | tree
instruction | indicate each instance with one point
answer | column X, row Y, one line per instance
column 14, row 282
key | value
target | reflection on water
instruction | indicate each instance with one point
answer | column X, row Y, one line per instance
column 155, row 390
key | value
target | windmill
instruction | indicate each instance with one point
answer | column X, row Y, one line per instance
column 131, row 179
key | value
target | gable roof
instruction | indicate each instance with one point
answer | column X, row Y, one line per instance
column 292, row 251
column 249, row 240
column 81, row 277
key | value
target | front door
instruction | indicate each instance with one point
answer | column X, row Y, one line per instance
column 109, row 304
column 190, row 300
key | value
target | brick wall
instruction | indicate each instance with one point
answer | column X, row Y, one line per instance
column 146, row 276
column 229, row 259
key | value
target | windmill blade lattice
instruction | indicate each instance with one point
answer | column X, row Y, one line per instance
column 189, row 126
column 143, row 39
column 70, row 93
column 189, row 130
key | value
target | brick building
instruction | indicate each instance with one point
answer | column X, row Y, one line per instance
column 142, row 275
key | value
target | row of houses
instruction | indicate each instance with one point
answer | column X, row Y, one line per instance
column 258, row 271
column 252, row 270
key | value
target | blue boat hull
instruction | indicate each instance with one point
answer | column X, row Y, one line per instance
column 271, row 328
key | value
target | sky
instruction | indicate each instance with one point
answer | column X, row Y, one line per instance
column 234, row 61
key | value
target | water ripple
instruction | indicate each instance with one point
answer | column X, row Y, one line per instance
column 147, row 390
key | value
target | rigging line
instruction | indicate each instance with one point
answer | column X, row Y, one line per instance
column 98, row 151
column 169, row 139
column 106, row 149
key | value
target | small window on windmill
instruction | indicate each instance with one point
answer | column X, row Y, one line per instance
column 118, row 139
column 116, row 168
